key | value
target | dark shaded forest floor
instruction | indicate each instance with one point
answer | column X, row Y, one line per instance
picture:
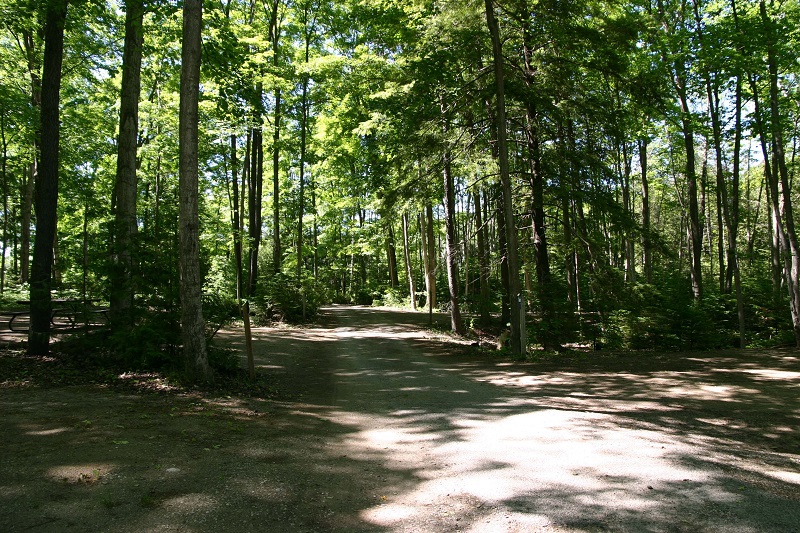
column 367, row 421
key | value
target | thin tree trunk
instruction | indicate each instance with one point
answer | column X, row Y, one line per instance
column 236, row 222
column 679, row 81
column 391, row 255
column 518, row 336
column 628, row 241
column 277, row 252
column 255, row 185
column 505, row 306
column 85, row 248
column 5, row 197
column 47, row 186
column 121, row 294
column 733, row 230
column 790, row 246
column 191, row 285
column 456, row 324
column 484, row 316
column 774, row 220
column 647, row 247
column 429, row 245
column 26, row 208
column 409, row 270
column 304, row 104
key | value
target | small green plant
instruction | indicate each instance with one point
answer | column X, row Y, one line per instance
column 281, row 298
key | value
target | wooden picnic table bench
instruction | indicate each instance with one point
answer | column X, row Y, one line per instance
column 74, row 311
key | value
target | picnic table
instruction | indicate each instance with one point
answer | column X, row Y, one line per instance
column 66, row 313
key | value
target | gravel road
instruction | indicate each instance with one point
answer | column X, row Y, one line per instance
column 453, row 442
column 381, row 425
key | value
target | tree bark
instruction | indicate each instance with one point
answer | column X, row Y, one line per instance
column 733, row 231
column 647, row 246
column 518, row 338
column 304, row 105
column 46, row 193
column 4, row 171
column 27, row 190
column 236, row 222
column 456, row 324
column 409, row 270
column 277, row 251
column 191, row 285
column 791, row 248
column 429, row 255
column 391, row 255
column 505, row 306
column 695, row 230
column 484, row 315
column 122, row 291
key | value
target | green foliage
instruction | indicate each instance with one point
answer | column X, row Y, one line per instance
column 223, row 359
column 153, row 344
column 395, row 297
column 281, row 298
column 666, row 317
column 219, row 310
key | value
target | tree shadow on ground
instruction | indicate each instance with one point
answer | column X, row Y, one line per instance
column 378, row 427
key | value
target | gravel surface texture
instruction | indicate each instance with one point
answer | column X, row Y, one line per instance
column 378, row 424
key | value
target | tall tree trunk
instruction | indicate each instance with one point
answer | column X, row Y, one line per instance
column 647, row 247
column 121, row 294
column 628, row 241
column 191, row 285
column 518, row 338
column 505, row 305
column 301, row 196
column 733, row 230
column 236, row 221
column 391, row 255
column 777, row 232
column 484, row 316
column 695, row 229
column 791, row 248
column 46, row 194
column 26, row 210
column 429, row 252
column 315, row 227
column 304, row 105
column 29, row 181
column 277, row 252
column 85, row 247
column 456, row 324
column 723, row 215
column 255, row 185
column 536, row 180
column 409, row 270
column 4, row 171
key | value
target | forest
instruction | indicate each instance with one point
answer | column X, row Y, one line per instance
column 612, row 174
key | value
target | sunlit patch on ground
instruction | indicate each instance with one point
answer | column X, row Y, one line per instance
column 86, row 473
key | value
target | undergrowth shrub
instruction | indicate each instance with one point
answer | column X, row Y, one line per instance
column 281, row 298
column 394, row 297
column 219, row 310
column 668, row 318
